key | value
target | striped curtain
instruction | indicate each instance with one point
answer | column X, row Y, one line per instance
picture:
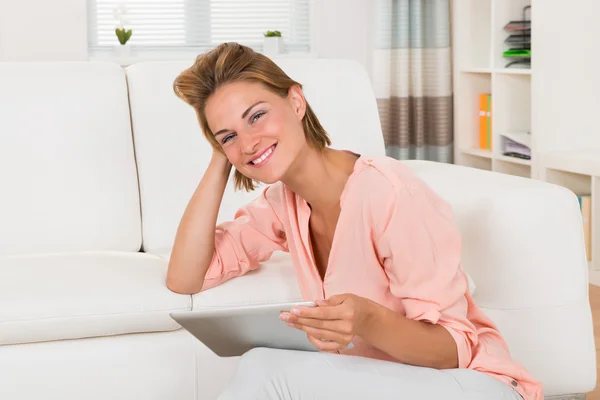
column 413, row 78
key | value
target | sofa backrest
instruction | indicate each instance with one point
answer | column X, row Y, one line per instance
column 67, row 164
column 523, row 246
column 172, row 153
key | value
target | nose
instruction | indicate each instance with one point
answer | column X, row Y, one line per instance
column 249, row 144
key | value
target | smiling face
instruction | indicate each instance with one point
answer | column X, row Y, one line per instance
column 260, row 132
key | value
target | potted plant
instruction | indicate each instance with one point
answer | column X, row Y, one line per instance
column 273, row 43
column 123, row 35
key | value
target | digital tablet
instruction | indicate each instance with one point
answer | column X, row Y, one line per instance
column 232, row 331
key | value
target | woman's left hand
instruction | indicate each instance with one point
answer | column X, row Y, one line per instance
column 332, row 325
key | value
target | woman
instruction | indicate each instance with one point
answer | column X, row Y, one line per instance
column 375, row 247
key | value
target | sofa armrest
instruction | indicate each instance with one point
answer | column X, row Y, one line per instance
column 273, row 282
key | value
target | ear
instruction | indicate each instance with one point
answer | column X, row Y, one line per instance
column 297, row 100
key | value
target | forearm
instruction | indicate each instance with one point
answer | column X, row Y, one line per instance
column 194, row 243
column 409, row 341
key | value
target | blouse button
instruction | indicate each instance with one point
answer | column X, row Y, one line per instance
column 514, row 383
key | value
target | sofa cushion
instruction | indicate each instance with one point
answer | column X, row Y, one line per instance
column 67, row 164
column 77, row 295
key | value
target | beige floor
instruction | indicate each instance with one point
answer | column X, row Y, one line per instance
column 595, row 304
column 594, row 277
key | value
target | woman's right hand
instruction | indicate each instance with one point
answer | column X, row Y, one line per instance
column 220, row 161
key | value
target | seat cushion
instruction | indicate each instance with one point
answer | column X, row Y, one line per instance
column 77, row 295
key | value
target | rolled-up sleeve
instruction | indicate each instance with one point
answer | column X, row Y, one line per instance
column 420, row 246
column 244, row 242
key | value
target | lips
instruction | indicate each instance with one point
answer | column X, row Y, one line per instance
column 263, row 157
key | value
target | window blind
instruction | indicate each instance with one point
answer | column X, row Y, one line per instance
column 199, row 24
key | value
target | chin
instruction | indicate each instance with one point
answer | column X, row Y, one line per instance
column 270, row 181
column 267, row 178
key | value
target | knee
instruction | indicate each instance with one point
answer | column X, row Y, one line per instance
column 274, row 374
column 255, row 359
column 251, row 373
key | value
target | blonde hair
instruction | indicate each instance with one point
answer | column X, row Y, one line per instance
column 230, row 62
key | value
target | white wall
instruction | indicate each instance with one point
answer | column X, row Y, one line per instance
column 344, row 29
column 57, row 29
column 43, row 30
column 36, row 30
column 566, row 79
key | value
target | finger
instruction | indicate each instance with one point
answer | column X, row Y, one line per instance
column 340, row 326
column 326, row 335
column 337, row 299
column 321, row 303
column 317, row 312
column 323, row 345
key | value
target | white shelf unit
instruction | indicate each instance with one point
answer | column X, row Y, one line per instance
column 579, row 171
column 557, row 100
column 479, row 67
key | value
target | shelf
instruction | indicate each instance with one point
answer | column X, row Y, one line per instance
column 510, row 167
column 577, row 183
column 476, row 70
column 507, row 71
column 581, row 184
column 485, row 159
column 511, row 107
column 477, row 152
column 472, row 38
column 555, row 104
column 512, row 71
column 585, row 162
column 503, row 12
column 513, row 160
column 475, row 159
column 469, row 86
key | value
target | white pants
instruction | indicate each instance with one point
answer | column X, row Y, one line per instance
column 267, row 374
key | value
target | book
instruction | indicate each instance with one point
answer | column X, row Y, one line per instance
column 489, row 122
column 585, row 204
column 485, row 124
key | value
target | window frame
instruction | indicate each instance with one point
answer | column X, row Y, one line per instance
column 178, row 52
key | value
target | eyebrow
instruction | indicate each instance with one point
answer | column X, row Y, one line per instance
column 243, row 116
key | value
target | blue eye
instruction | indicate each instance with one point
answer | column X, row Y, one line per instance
column 257, row 116
column 227, row 138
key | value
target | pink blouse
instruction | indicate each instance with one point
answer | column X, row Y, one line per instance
column 396, row 243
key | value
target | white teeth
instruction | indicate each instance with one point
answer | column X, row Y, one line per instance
column 263, row 157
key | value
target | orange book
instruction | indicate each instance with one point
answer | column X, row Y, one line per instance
column 483, row 121
column 489, row 122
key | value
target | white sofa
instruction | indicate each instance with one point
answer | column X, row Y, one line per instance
column 96, row 166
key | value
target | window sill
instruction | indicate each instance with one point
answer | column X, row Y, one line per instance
column 109, row 56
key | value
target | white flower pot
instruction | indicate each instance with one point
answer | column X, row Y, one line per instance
column 123, row 53
column 273, row 45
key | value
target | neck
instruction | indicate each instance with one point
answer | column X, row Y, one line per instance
column 319, row 177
